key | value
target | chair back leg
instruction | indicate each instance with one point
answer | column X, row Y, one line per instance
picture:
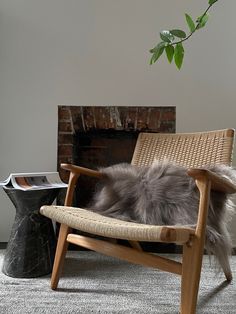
column 223, row 259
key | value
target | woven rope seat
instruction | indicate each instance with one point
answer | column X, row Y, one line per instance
column 90, row 222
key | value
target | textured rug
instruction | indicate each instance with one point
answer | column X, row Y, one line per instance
column 93, row 283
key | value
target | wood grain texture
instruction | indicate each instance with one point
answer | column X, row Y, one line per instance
column 125, row 253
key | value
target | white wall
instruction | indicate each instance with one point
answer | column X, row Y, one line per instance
column 90, row 52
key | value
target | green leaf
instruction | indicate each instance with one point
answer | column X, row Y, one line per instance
column 190, row 23
column 179, row 55
column 157, row 52
column 178, row 33
column 212, row 2
column 170, row 50
column 202, row 20
column 166, row 36
column 158, row 46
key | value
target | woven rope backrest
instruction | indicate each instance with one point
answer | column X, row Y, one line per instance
column 185, row 149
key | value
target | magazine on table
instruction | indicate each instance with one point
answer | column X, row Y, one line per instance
column 34, row 181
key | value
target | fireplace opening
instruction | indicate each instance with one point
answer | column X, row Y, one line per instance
column 96, row 149
column 103, row 148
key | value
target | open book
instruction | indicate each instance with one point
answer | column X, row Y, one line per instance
column 34, row 181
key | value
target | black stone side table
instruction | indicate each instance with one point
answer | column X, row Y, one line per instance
column 31, row 247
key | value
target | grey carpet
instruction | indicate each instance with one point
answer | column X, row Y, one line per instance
column 93, row 283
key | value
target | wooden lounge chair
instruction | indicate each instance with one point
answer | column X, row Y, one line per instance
column 191, row 150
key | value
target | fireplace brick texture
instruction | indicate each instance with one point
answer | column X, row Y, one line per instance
column 74, row 119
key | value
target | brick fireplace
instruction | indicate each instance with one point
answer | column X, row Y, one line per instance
column 100, row 136
column 95, row 137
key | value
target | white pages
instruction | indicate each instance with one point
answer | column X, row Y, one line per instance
column 34, row 181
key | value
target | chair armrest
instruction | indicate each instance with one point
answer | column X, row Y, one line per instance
column 81, row 170
column 218, row 183
column 75, row 172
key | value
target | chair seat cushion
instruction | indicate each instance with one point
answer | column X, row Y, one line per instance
column 87, row 221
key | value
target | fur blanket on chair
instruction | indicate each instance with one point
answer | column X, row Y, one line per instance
column 163, row 194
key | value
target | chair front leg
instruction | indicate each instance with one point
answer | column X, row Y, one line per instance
column 193, row 253
column 61, row 250
column 191, row 272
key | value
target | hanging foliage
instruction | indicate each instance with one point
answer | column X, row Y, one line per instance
column 172, row 40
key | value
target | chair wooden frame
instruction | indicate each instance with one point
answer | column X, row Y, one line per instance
column 190, row 267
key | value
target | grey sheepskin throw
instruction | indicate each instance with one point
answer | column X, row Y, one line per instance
column 163, row 194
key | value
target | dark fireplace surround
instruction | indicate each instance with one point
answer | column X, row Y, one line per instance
column 94, row 137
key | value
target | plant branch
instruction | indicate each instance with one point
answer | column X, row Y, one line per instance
column 174, row 49
column 184, row 39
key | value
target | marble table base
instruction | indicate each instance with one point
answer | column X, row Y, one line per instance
column 31, row 247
